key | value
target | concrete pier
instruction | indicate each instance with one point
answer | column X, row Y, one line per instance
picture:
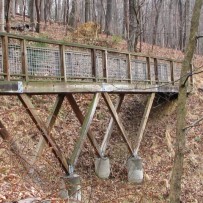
column 102, row 167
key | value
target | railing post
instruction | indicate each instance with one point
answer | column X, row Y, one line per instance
column 5, row 57
column 148, row 70
column 104, row 65
column 62, row 63
column 172, row 72
column 129, row 68
column 24, row 59
column 156, row 71
column 93, row 63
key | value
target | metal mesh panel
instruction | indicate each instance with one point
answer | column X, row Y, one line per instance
column 177, row 72
column 43, row 62
column 78, row 65
column 99, row 67
column 163, row 72
column 138, row 70
column 117, row 69
column 14, row 53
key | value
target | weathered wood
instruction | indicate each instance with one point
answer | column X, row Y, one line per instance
column 50, row 123
column 93, row 64
column 62, row 62
column 117, row 120
column 84, row 130
column 144, row 121
column 43, row 128
column 129, row 67
column 111, row 125
column 104, row 65
column 156, row 70
column 172, row 71
column 5, row 57
column 24, row 59
column 148, row 69
column 80, row 117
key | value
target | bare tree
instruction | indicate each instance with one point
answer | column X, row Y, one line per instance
column 2, row 16
column 181, row 108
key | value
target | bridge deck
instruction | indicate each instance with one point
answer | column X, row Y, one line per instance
column 31, row 65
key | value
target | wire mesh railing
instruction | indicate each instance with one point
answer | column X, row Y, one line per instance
column 69, row 62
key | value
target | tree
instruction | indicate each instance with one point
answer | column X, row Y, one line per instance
column 108, row 18
column 87, row 10
column 37, row 5
column 181, row 108
column 2, row 16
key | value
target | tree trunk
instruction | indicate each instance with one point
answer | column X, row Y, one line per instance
column 180, row 8
column 177, row 171
column 32, row 15
column 7, row 15
column 87, row 10
column 2, row 16
column 109, row 12
column 38, row 16
column 72, row 18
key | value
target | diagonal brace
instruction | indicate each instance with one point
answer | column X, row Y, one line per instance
column 144, row 121
column 43, row 128
column 117, row 120
column 84, row 130
column 50, row 123
column 80, row 117
column 111, row 125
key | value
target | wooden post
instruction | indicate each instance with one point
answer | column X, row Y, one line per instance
column 24, row 59
column 50, row 123
column 156, row 71
column 80, row 117
column 105, row 65
column 144, row 121
column 117, row 120
column 84, row 130
column 129, row 68
column 62, row 63
column 5, row 57
column 43, row 128
column 148, row 70
column 172, row 72
column 93, row 62
column 111, row 125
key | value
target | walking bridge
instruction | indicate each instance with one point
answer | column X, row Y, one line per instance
column 41, row 66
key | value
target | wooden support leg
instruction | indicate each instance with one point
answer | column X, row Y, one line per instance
column 111, row 125
column 49, row 125
column 80, row 117
column 43, row 128
column 144, row 121
column 84, row 131
column 117, row 120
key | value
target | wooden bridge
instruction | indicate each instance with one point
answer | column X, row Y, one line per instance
column 41, row 66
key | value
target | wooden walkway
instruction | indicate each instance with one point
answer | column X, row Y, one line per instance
column 31, row 65
column 40, row 66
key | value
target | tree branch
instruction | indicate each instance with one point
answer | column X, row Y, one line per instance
column 194, row 124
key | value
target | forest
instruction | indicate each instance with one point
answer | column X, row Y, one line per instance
column 101, row 101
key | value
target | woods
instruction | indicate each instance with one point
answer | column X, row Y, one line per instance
column 161, row 22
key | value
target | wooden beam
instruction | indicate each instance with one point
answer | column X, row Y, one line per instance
column 43, row 128
column 172, row 72
column 105, row 65
column 62, row 62
column 50, row 123
column 144, row 121
column 117, row 120
column 129, row 67
column 111, row 125
column 84, row 130
column 148, row 70
column 156, row 73
column 93, row 64
column 24, row 60
column 80, row 117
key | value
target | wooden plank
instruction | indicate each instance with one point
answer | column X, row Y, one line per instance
column 62, row 62
column 148, row 69
column 111, row 125
column 84, row 130
column 129, row 67
column 93, row 64
column 144, row 121
column 117, row 120
column 172, row 72
column 24, row 59
column 50, row 123
column 5, row 57
column 105, row 65
column 43, row 128
column 156, row 70
column 80, row 117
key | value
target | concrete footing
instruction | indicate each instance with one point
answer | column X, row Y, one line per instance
column 102, row 167
column 73, row 186
column 135, row 170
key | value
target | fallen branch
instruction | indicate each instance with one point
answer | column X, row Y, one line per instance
column 194, row 124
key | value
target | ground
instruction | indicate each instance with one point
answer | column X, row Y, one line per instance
column 19, row 179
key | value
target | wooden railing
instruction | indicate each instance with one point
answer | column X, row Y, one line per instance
column 31, row 59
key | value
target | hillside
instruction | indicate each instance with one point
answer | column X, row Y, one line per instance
column 19, row 179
